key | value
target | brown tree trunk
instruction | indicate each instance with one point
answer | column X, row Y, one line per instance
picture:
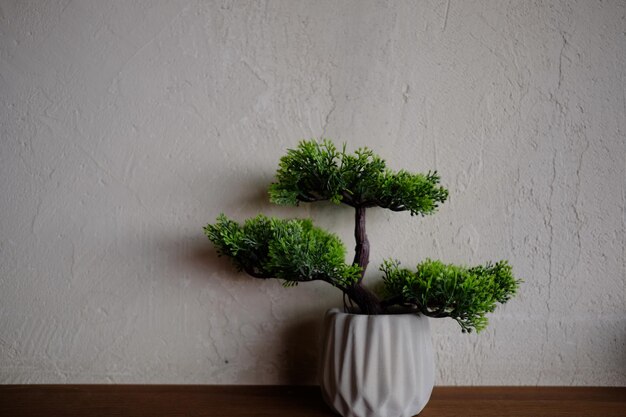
column 365, row 299
column 362, row 249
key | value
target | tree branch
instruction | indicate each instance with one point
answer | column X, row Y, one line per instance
column 308, row 198
column 347, row 198
column 367, row 301
column 392, row 301
column 250, row 271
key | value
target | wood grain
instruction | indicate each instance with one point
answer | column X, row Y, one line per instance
column 293, row 401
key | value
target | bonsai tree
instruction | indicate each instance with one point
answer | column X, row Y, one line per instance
column 295, row 251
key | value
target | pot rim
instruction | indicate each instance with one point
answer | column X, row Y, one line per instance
column 402, row 313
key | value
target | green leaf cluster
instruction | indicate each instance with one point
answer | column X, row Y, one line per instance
column 289, row 249
column 445, row 290
column 316, row 171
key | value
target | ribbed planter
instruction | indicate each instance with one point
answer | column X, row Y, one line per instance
column 376, row 366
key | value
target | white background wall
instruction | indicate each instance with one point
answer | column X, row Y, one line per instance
column 128, row 125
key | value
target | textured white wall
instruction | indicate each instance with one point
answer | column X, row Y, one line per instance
column 127, row 126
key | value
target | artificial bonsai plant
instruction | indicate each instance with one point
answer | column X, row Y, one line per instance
column 296, row 251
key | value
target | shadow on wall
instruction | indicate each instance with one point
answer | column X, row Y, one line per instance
column 297, row 342
column 622, row 342
column 301, row 355
column 202, row 256
column 198, row 252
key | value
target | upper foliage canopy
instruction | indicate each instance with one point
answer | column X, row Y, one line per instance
column 317, row 171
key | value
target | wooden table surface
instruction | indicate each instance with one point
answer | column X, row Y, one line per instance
column 294, row 401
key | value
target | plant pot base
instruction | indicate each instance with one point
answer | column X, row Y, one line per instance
column 376, row 366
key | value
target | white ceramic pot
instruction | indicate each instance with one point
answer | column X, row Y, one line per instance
column 376, row 366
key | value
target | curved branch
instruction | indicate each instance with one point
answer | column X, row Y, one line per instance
column 439, row 313
column 365, row 299
column 308, row 198
column 346, row 198
column 392, row 301
column 250, row 271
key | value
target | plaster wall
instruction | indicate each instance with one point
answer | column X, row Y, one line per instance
column 127, row 126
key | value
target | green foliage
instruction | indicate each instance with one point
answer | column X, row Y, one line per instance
column 309, row 173
column 317, row 171
column 441, row 290
column 293, row 250
column 296, row 251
